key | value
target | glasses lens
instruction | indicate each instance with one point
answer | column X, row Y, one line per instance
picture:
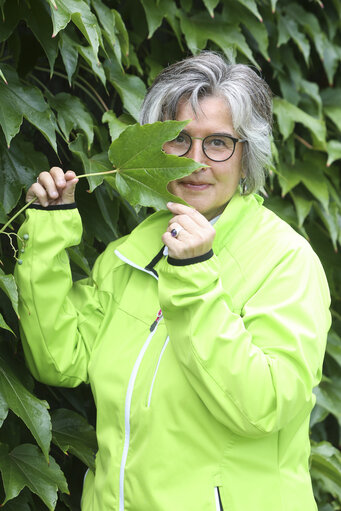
column 179, row 146
column 218, row 147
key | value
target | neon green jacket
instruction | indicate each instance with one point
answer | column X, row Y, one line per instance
column 205, row 407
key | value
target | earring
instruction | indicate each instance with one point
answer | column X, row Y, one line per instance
column 242, row 184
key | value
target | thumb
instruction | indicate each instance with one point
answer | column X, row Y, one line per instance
column 68, row 194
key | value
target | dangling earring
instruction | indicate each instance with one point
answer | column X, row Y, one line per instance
column 242, row 184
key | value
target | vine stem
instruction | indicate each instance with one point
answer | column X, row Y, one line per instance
column 93, row 174
column 17, row 214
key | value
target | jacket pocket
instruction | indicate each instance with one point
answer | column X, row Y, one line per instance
column 218, row 504
column 149, row 398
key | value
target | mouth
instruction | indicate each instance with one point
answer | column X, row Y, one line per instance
column 194, row 185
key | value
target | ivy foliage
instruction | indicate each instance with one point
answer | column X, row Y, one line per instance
column 73, row 74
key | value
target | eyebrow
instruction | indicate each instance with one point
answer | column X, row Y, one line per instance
column 214, row 133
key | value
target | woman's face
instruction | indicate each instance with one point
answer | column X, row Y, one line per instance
column 210, row 188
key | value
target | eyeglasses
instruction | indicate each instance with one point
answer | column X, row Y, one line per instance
column 217, row 147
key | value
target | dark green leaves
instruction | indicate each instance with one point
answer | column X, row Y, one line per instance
column 26, row 466
column 143, row 170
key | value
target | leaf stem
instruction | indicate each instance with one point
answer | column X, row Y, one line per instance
column 94, row 174
column 17, row 214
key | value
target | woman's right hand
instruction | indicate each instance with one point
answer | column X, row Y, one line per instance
column 53, row 188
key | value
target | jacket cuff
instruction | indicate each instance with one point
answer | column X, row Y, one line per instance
column 55, row 207
column 190, row 260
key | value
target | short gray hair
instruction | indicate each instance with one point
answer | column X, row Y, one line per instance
column 246, row 93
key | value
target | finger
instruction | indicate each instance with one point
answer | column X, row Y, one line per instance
column 38, row 191
column 68, row 195
column 46, row 180
column 177, row 231
column 186, row 223
column 59, row 178
column 181, row 209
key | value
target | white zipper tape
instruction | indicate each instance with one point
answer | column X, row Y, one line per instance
column 156, row 370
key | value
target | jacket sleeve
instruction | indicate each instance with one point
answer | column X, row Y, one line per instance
column 255, row 371
column 59, row 320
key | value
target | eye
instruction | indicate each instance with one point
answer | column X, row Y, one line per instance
column 216, row 142
column 180, row 139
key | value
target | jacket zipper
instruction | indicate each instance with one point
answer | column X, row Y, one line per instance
column 218, row 504
column 156, row 370
column 131, row 384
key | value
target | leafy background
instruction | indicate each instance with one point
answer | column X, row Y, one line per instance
column 73, row 74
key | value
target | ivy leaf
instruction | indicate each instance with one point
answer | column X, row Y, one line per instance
column 89, row 56
column 121, row 32
column 39, row 21
column 331, row 104
column 334, row 151
column 79, row 12
column 9, row 286
column 31, row 410
column 303, row 207
column 69, row 53
column 3, row 325
column 116, row 126
column 325, row 465
column 252, row 6
column 71, row 114
column 210, row 6
column 26, row 466
column 131, row 88
column 288, row 114
column 332, row 221
column 143, row 170
column 91, row 164
column 19, row 167
column 18, row 101
column 107, row 19
column 200, row 28
column 72, row 433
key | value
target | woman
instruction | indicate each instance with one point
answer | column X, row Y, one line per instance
column 202, row 343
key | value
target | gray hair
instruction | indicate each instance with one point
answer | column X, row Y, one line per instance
column 246, row 93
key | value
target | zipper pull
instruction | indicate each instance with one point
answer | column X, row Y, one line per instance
column 158, row 317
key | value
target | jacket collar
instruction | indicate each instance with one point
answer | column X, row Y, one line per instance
column 144, row 242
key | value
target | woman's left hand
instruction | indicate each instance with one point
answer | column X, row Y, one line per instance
column 195, row 233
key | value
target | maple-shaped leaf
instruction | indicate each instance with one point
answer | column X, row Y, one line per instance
column 143, row 170
column 26, row 466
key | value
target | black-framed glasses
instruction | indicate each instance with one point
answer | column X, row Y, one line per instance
column 217, row 147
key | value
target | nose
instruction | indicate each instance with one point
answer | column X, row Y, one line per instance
column 196, row 152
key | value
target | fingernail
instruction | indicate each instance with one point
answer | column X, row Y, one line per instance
column 169, row 203
column 54, row 194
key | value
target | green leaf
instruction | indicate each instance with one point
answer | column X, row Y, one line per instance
column 326, row 467
column 69, row 52
column 290, row 30
column 154, row 14
column 3, row 409
column 72, row 433
column 200, row 28
column 121, row 32
column 25, row 466
column 131, row 88
column 31, row 410
column 252, row 7
column 88, row 55
column 71, row 114
column 18, row 101
column 210, row 6
column 9, row 20
column 107, row 19
column 3, row 325
column 273, row 5
column 79, row 12
column 334, row 346
column 96, row 163
column 334, row 151
column 303, row 207
column 9, row 287
column 332, row 220
column 143, row 170
column 116, row 126
column 288, row 114
column 331, row 104
column 39, row 21
column 78, row 258
column 19, row 167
